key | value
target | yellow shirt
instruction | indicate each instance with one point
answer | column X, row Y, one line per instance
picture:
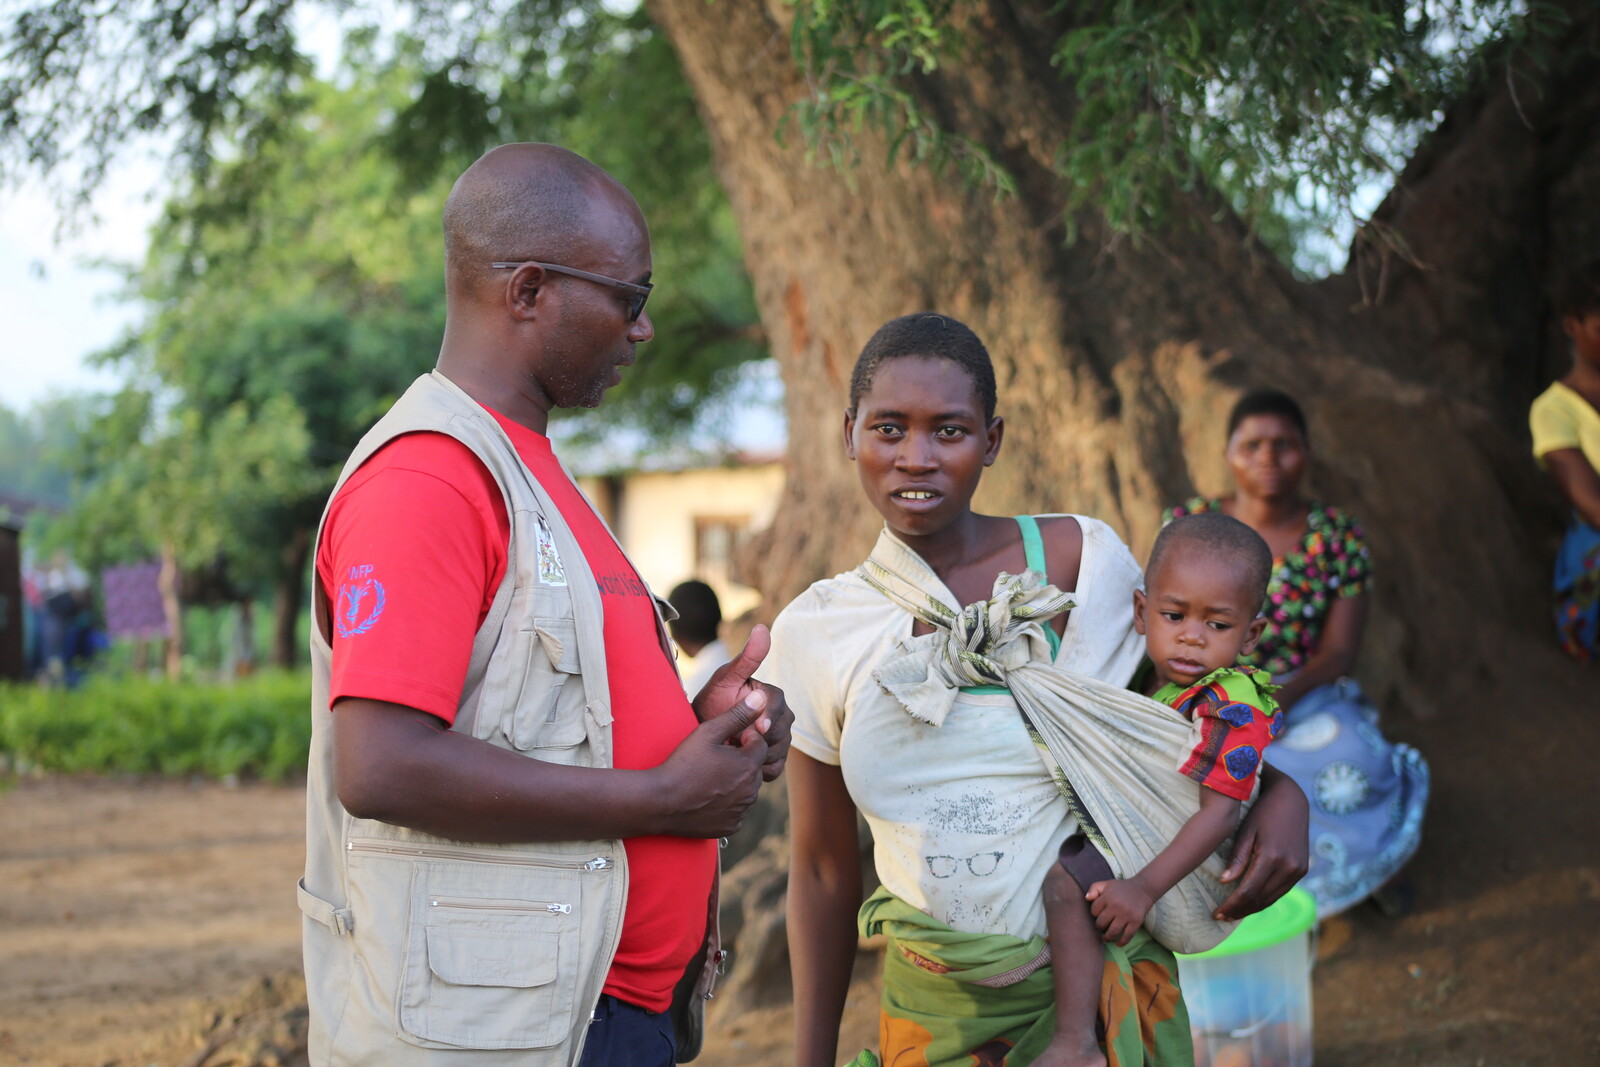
column 1561, row 418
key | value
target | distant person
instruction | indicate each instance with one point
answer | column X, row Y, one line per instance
column 513, row 810
column 696, row 631
column 1367, row 794
column 1565, row 420
column 64, row 593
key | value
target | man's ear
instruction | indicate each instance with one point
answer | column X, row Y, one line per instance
column 850, row 435
column 996, row 432
column 1138, row 611
column 1257, row 625
column 522, row 292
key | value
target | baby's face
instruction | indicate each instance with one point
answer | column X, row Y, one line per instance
column 1196, row 614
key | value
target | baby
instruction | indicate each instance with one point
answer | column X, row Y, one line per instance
column 1199, row 613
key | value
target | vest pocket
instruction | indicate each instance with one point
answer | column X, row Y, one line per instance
column 489, row 971
column 550, row 709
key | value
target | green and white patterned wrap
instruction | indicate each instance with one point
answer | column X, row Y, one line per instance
column 1113, row 753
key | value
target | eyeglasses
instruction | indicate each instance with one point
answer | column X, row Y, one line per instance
column 637, row 294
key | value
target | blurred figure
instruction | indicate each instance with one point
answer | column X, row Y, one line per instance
column 695, row 630
column 1565, row 420
column 64, row 589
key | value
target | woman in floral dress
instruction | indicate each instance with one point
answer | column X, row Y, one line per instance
column 1367, row 794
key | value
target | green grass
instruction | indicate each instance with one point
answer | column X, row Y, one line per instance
column 259, row 727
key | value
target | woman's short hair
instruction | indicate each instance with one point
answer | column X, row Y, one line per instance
column 1579, row 294
column 926, row 333
column 1268, row 402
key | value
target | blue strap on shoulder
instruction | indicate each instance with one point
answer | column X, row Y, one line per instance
column 1033, row 553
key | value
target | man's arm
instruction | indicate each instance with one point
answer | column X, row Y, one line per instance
column 403, row 766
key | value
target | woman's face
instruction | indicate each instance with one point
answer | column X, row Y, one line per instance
column 1267, row 456
column 920, row 442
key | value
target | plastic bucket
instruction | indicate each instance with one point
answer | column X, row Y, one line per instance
column 1250, row 997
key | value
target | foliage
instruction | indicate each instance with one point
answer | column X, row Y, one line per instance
column 1287, row 111
column 36, row 448
column 604, row 83
column 177, row 480
column 258, row 727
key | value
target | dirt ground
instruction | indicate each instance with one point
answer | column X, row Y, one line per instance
column 154, row 923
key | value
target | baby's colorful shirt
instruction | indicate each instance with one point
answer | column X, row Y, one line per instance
column 1234, row 719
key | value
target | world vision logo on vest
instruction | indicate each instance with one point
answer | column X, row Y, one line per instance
column 360, row 602
column 621, row 584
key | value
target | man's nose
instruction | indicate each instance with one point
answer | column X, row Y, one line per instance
column 642, row 329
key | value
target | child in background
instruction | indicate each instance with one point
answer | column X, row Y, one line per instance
column 1200, row 611
column 1565, row 420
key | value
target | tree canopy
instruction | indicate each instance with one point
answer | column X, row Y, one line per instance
column 294, row 286
column 1288, row 114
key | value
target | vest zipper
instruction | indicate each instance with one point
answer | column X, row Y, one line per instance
column 550, row 906
column 383, row 848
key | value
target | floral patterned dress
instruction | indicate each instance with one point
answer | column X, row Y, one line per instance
column 1367, row 794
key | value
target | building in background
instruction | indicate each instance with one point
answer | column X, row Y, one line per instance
column 685, row 517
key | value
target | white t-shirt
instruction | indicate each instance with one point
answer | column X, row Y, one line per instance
column 965, row 821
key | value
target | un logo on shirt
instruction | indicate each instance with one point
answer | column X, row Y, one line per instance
column 359, row 604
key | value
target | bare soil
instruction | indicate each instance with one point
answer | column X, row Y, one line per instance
column 154, row 923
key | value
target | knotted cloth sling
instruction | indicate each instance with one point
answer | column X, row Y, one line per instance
column 1112, row 753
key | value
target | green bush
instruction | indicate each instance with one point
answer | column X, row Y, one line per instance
column 259, row 727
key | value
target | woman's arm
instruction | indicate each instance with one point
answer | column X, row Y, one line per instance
column 1336, row 650
column 1273, row 848
column 824, row 895
column 1578, row 481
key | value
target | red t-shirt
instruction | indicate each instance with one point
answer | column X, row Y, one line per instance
column 422, row 525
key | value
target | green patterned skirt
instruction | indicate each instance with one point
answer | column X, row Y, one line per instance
column 952, row 999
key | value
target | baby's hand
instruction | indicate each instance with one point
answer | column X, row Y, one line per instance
column 1119, row 907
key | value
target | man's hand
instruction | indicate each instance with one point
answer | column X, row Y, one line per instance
column 714, row 774
column 1272, row 849
column 1119, row 907
column 733, row 683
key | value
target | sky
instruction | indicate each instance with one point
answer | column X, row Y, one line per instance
column 57, row 305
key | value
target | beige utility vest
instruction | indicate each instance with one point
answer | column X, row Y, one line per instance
column 424, row 950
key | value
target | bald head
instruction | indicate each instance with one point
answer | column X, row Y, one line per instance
column 528, row 202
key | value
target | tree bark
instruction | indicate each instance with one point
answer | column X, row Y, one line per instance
column 1118, row 361
column 289, row 598
column 169, row 582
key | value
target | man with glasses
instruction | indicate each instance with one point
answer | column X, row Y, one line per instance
column 513, row 809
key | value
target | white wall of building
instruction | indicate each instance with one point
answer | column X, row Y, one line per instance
column 672, row 523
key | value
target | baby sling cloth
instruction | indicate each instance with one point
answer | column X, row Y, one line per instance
column 1112, row 753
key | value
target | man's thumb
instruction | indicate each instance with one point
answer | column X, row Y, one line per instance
column 749, row 658
column 737, row 719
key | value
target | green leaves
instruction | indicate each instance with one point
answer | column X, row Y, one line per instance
column 1287, row 111
column 863, row 59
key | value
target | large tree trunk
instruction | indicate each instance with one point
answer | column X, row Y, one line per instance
column 1117, row 361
